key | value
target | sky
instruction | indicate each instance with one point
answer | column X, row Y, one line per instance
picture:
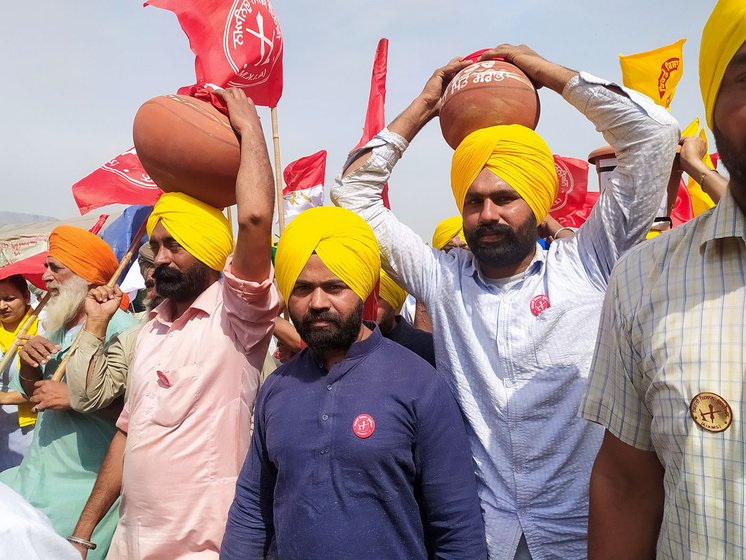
column 75, row 74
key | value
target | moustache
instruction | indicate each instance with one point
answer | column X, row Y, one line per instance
column 492, row 229
column 164, row 273
column 325, row 316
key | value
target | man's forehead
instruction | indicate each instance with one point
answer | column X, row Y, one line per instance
column 739, row 59
column 51, row 261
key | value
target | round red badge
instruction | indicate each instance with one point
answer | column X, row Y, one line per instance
column 363, row 426
column 539, row 304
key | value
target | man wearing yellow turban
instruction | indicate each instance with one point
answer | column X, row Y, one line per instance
column 513, row 323
column 449, row 234
column 363, row 418
column 395, row 327
column 667, row 379
column 195, row 370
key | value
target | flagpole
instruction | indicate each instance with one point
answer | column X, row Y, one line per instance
column 60, row 371
column 10, row 354
column 278, row 170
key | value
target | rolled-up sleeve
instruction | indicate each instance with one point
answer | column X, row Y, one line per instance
column 250, row 308
column 404, row 255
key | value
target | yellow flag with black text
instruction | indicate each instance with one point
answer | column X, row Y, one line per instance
column 655, row 73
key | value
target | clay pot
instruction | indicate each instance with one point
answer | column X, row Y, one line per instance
column 487, row 94
column 186, row 145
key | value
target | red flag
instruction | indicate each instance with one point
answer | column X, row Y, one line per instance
column 375, row 118
column 573, row 203
column 304, row 178
column 236, row 43
column 682, row 210
column 121, row 180
column 31, row 268
column 715, row 157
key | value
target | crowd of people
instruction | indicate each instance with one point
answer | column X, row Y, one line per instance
column 521, row 390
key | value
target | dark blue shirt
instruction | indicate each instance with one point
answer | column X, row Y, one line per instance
column 321, row 481
column 418, row 341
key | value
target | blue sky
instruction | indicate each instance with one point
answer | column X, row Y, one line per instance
column 75, row 73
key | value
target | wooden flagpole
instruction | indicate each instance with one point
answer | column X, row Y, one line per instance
column 278, row 170
column 10, row 354
column 60, row 371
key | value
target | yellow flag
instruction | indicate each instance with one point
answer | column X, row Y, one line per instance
column 655, row 73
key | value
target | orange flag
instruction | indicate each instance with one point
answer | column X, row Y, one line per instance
column 655, row 73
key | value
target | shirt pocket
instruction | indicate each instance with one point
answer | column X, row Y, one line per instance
column 550, row 338
column 176, row 395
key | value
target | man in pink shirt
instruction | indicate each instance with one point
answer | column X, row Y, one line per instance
column 183, row 433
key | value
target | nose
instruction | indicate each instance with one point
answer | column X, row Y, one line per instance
column 319, row 300
column 490, row 212
column 162, row 256
column 47, row 277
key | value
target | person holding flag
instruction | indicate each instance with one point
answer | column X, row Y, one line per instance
column 507, row 314
column 16, row 418
column 667, row 380
column 60, row 466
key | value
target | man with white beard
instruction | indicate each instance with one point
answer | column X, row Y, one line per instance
column 61, row 465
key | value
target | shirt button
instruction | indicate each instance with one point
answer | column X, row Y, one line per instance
column 325, row 417
column 324, row 451
column 328, row 387
column 509, row 383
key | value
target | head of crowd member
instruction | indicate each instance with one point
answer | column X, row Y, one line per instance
column 449, row 234
column 78, row 260
column 504, row 181
column 327, row 264
column 145, row 259
column 390, row 301
column 722, row 79
column 15, row 300
column 191, row 242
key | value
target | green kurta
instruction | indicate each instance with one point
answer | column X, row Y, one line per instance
column 60, row 467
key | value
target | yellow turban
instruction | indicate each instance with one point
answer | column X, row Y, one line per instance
column 198, row 227
column 447, row 230
column 391, row 292
column 724, row 34
column 343, row 241
column 517, row 155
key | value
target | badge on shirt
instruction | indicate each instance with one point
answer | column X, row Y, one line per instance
column 539, row 304
column 363, row 426
column 711, row 412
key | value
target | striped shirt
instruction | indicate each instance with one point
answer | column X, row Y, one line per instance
column 673, row 326
column 517, row 357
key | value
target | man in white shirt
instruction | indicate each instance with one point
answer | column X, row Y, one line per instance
column 514, row 325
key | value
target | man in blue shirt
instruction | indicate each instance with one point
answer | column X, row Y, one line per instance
column 359, row 449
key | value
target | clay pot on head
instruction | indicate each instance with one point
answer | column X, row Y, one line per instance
column 486, row 94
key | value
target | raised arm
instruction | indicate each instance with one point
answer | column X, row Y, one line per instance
column 359, row 188
column 255, row 193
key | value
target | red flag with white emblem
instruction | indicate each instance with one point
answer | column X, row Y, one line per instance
column 121, row 180
column 237, row 43
column 573, row 203
column 304, row 178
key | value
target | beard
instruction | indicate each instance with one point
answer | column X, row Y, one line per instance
column 182, row 286
column 341, row 333
column 514, row 246
column 65, row 305
column 732, row 156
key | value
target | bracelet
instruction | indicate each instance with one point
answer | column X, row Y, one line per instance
column 27, row 380
column 88, row 545
column 704, row 176
column 556, row 233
